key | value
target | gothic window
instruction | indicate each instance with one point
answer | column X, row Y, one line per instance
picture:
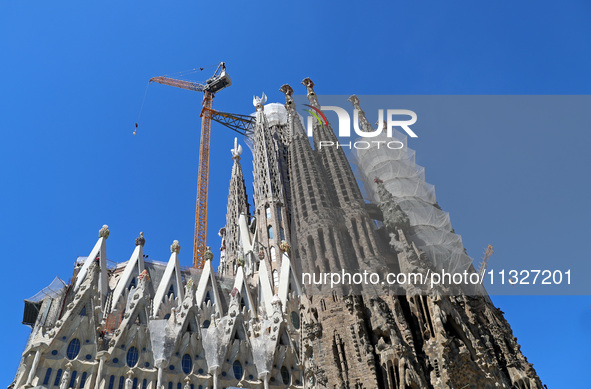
column 132, row 356
column 268, row 212
column 187, row 364
column 111, row 382
column 58, row 378
column 273, row 254
column 134, row 385
column 207, row 297
column 275, row 278
column 121, row 382
column 270, row 232
column 83, row 380
column 145, row 384
column 237, row 366
column 47, row 376
column 171, row 291
column 295, row 319
column 73, row 379
column 170, row 385
column 132, row 284
column 179, row 386
column 285, row 376
column 73, row 349
column 206, row 324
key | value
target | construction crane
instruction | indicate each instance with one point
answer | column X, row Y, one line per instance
column 214, row 84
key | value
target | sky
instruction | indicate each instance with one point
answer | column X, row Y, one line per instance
column 75, row 73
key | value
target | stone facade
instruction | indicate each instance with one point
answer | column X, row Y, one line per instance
column 152, row 325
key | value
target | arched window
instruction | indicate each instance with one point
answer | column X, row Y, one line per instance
column 207, row 297
column 170, row 385
column 206, row 324
column 47, row 376
column 237, row 366
column 111, row 382
column 179, row 386
column 134, row 386
column 273, row 254
column 73, row 379
column 268, row 212
column 171, row 291
column 73, row 349
column 145, row 384
column 58, row 378
column 121, row 382
column 275, row 277
column 187, row 364
column 83, row 380
column 270, row 232
column 285, row 376
column 132, row 356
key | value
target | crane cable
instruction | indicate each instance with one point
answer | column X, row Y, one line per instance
column 178, row 74
column 141, row 109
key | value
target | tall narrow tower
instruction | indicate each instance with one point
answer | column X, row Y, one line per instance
column 270, row 178
column 237, row 205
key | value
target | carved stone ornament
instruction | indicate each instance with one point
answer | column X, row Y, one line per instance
column 140, row 240
column 175, row 247
column 104, row 232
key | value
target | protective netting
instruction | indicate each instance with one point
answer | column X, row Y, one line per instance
column 276, row 114
column 431, row 228
column 53, row 290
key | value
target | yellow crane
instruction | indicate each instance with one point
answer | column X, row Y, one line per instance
column 214, row 84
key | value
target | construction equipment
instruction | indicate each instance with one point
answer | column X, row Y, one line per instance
column 489, row 251
column 214, row 84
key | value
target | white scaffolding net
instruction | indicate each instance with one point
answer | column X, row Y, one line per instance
column 431, row 228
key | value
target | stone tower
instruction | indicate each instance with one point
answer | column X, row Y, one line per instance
column 157, row 325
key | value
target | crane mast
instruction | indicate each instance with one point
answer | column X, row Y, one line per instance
column 217, row 82
column 199, row 245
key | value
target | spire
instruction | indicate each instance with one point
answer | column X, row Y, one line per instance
column 237, row 205
column 344, row 185
column 333, row 158
column 311, row 203
column 359, row 116
column 270, row 180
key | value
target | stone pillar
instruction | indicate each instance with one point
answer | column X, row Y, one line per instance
column 33, row 367
column 214, row 373
column 129, row 380
column 66, row 376
column 99, row 374
column 266, row 380
column 159, row 382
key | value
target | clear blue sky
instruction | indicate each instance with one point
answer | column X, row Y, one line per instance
column 74, row 74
